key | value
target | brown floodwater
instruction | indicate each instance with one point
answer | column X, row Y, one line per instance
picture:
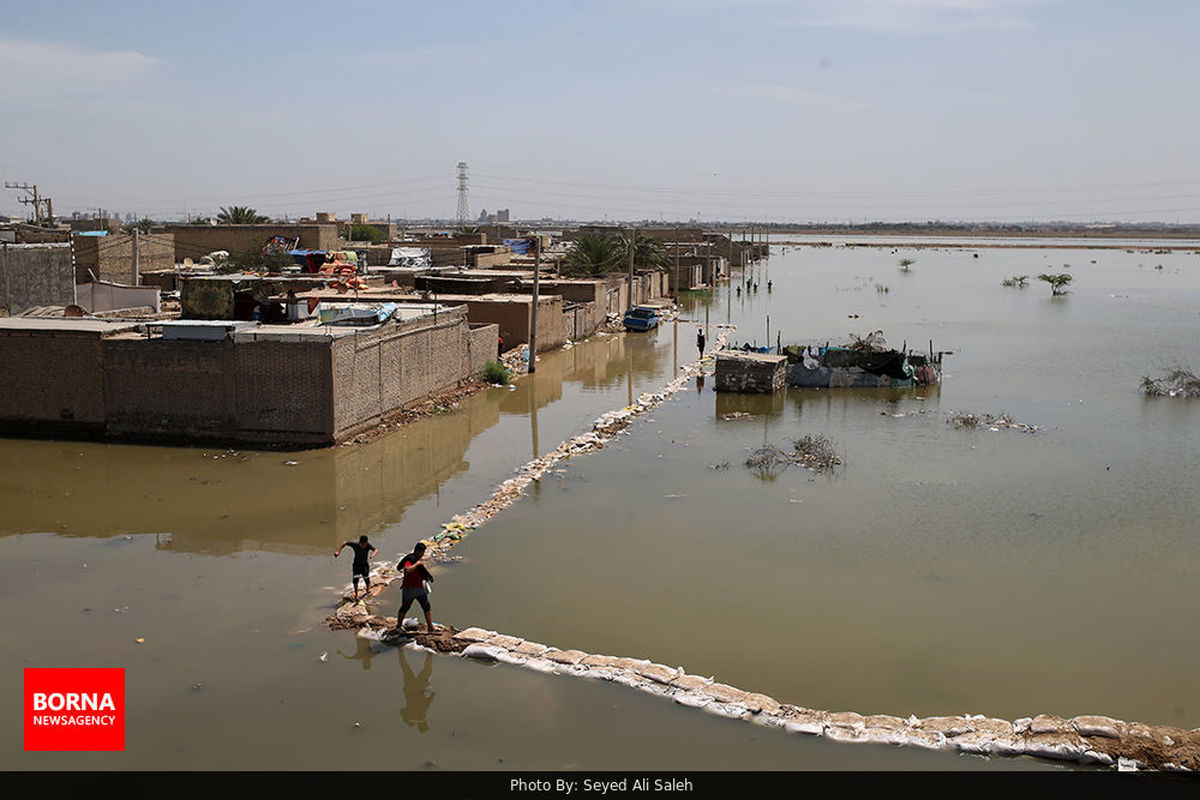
column 940, row 571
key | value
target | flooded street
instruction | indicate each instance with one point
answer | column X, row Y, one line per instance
column 940, row 571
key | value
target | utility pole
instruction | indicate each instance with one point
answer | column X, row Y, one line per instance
column 36, row 201
column 537, row 268
column 677, row 286
column 136, row 271
column 708, row 259
column 632, row 236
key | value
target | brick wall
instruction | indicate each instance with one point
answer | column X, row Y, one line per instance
column 52, row 380
column 197, row 241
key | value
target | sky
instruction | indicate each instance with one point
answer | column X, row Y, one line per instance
column 671, row 110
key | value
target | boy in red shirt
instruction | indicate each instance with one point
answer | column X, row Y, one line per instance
column 415, row 576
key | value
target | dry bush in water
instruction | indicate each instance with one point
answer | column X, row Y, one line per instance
column 1178, row 382
column 815, row 452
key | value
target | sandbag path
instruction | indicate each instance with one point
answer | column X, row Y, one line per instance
column 1090, row 740
column 604, row 430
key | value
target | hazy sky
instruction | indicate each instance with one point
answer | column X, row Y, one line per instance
column 666, row 109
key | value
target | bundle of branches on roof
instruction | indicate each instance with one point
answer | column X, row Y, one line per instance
column 1178, row 382
column 873, row 342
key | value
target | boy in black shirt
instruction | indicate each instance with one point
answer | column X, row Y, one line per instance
column 363, row 550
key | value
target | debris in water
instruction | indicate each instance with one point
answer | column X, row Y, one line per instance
column 1178, row 382
column 993, row 422
column 814, row 452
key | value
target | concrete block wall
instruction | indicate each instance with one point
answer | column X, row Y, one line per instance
column 110, row 258
column 750, row 372
column 481, row 347
column 35, row 275
column 377, row 373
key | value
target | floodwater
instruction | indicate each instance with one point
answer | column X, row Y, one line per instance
column 940, row 571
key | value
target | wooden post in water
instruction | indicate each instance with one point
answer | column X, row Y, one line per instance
column 537, row 268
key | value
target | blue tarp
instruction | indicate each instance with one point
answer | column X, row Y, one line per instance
column 519, row 247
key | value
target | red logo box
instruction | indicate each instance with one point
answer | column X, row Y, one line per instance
column 74, row 709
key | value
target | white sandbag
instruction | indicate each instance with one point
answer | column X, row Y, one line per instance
column 692, row 699
column 542, row 665
column 482, row 652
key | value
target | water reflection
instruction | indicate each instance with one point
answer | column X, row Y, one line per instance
column 418, row 697
column 223, row 501
column 364, row 652
column 757, row 405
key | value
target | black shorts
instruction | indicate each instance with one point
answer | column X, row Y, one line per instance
column 419, row 594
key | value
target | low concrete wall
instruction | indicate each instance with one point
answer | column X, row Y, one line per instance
column 99, row 296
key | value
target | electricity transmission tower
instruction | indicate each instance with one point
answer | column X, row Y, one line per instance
column 463, row 212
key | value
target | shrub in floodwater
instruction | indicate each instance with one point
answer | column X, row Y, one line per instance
column 1058, row 282
column 815, row 452
column 905, row 263
column 496, row 373
column 1019, row 281
column 1178, row 382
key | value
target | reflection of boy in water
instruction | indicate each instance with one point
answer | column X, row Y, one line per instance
column 417, row 694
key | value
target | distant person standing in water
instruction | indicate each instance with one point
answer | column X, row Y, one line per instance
column 700, row 341
column 363, row 549
column 415, row 576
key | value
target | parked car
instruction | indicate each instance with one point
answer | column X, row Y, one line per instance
column 642, row 318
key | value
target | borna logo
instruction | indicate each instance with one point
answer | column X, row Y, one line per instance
column 74, row 709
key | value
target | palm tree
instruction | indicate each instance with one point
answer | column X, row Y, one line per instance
column 1058, row 282
column 594, row 254
column 647, row 252
column 240, row 215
